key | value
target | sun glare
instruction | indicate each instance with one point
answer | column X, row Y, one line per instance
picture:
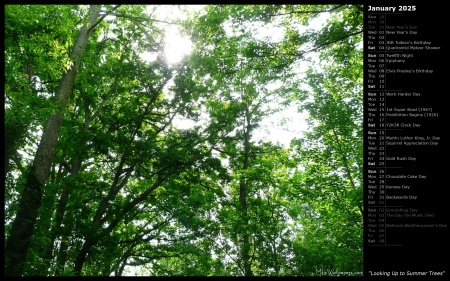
column 176, row 46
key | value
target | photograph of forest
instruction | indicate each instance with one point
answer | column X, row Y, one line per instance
column 183, row 140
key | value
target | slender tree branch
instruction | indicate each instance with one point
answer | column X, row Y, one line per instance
column 102, row 17
column 142, row 19
column 329, row 43
column 306, row 12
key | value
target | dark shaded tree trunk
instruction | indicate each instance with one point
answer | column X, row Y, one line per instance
column 62, row 256
column 18, row 242
column 82, row 255
column 43, row 229
column 57, row 229
column 96, row 231
column 245, row 247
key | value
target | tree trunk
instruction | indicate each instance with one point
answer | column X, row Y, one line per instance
column 245, row 247
column 82, row 255
column 62, row 256
column 96, row 231
column 18, row 242
column 57, row 229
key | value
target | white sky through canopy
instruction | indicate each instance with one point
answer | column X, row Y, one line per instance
column 280, row 127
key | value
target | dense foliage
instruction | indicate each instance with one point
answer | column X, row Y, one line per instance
column 101, row 179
